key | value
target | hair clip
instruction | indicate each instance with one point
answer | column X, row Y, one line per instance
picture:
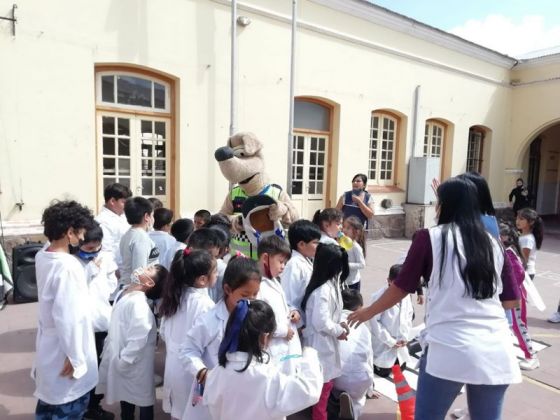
column 187, row 251
column 239, row 254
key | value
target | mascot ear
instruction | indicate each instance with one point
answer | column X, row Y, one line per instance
column 247, row 141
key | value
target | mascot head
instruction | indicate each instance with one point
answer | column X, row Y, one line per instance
column 241, row 160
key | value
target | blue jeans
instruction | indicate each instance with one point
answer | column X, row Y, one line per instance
column 435, row 396
column 73, row 410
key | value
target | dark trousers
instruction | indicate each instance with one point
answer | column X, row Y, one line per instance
column 385, row 372
column 127, row 411
column 95, row 399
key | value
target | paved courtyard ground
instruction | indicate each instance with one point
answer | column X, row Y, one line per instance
column 538, row 397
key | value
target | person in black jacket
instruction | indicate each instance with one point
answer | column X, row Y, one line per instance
column 521, row 195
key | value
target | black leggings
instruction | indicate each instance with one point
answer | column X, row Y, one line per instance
column 127, row 411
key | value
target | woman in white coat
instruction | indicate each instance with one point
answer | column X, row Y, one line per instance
column 244, row 385
column 390, row 330
column 126, row 373
column 200, row 350
column 322, row 304
column 185, row 299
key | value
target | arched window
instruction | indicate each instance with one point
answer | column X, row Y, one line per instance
column 434, row 135
column 134, row 129
column 382, row 148
column 475, row 149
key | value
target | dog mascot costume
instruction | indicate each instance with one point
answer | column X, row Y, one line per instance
column 252, row 212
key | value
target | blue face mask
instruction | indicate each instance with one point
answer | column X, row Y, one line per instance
column 88, row 256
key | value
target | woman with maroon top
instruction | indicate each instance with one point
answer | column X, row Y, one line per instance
column 467, row 339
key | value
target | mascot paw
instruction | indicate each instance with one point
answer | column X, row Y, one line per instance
column 277, row 211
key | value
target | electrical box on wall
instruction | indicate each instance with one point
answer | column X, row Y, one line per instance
column 422, row 170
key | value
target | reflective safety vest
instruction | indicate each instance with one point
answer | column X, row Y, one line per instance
column 240, row 241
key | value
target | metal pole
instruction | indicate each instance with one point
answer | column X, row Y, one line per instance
column 415, row 110
column 233, row 83
column 292, row 84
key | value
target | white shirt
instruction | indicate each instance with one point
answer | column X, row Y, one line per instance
column 114, row 227
column 528, row 241
column 177, row 382
column 201, row 350
column 326, row 239
column 126, row 372
column 356, row 262
column 468, row 340
column 388, row 327
column 164, row 243
column 102, row 282
column 295, row 278
column 261, row 392
column 272, row 293
column 167, row 258
column 323, row 315
column 65, row 329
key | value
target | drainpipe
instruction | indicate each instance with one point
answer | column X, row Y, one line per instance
column 233, row 82
column 416, row 106
column 292, row 83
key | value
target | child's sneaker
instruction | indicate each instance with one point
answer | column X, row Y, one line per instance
column 529, row 364
column 346, row 410
column 554, row 318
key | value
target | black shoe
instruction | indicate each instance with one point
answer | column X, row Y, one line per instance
column 98, row 413
column 346, row 410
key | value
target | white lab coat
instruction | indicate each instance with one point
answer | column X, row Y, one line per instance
column 65, row 329
column 167, row 258
column 387, row 328
column 295, row 278
column 114, row 227
column 356, row 262
column 102, row 283
column 323, row 315
column 177, row 382
column 356, row 356
column 216, row 293
column 126, row 372
column 272, row 293
column 201, row 350
column 261, row 392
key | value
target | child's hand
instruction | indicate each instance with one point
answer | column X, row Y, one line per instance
column 401, row 343
column 343, row 336
column 346, row 328
column 290, row 334
column 420, row 299
column 67, row 369
column 295, row 316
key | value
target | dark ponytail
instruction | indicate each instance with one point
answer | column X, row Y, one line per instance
column 246, row 324
column 536, row 223
column 326, row 216
column 186, row 267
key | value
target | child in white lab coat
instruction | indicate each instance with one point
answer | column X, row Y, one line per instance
column 100, row 268
column 356, row 357
column 284, row 344
column 161, row 235
column 390, row 330
column 303, row 236
column 329, row 221
column 245, row 385
column 324, row 328
column 181, row 229
column 242, row 279
column 212, row 241
column 65, row 366
column 354, row 229
column 126, row 373
column 185, row 298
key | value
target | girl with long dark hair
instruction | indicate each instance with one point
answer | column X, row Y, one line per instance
column 244, row 385
column 322, row 303
column 469, row 282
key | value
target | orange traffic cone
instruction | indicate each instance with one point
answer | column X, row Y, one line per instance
column 405, row 394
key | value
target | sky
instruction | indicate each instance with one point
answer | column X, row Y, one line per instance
column 512, row 27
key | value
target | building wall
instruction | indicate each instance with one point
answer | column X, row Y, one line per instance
column 47, row 106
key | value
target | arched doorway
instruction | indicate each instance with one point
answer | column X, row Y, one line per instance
column 541, row 163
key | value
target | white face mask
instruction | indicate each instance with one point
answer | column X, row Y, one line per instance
column 136, row 274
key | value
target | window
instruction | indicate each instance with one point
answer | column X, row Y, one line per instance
column 134, row 148
column 474, row 150
column 382, row 142
column 126, row 90
column 433, row 139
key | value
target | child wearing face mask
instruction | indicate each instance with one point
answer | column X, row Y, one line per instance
column 199, row 353
column 126, row 373
column 284, row 345
column 136, row 248
column 100, row 269
column 245, row 385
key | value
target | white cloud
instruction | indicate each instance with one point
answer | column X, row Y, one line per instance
column 506, row 36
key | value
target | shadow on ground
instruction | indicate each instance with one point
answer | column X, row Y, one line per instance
column 18, row 341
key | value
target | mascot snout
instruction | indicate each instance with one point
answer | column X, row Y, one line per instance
column 223, row 153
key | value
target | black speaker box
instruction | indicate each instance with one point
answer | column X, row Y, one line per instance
column 25, row 283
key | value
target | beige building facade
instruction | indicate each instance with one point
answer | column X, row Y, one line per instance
column 139, row 92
